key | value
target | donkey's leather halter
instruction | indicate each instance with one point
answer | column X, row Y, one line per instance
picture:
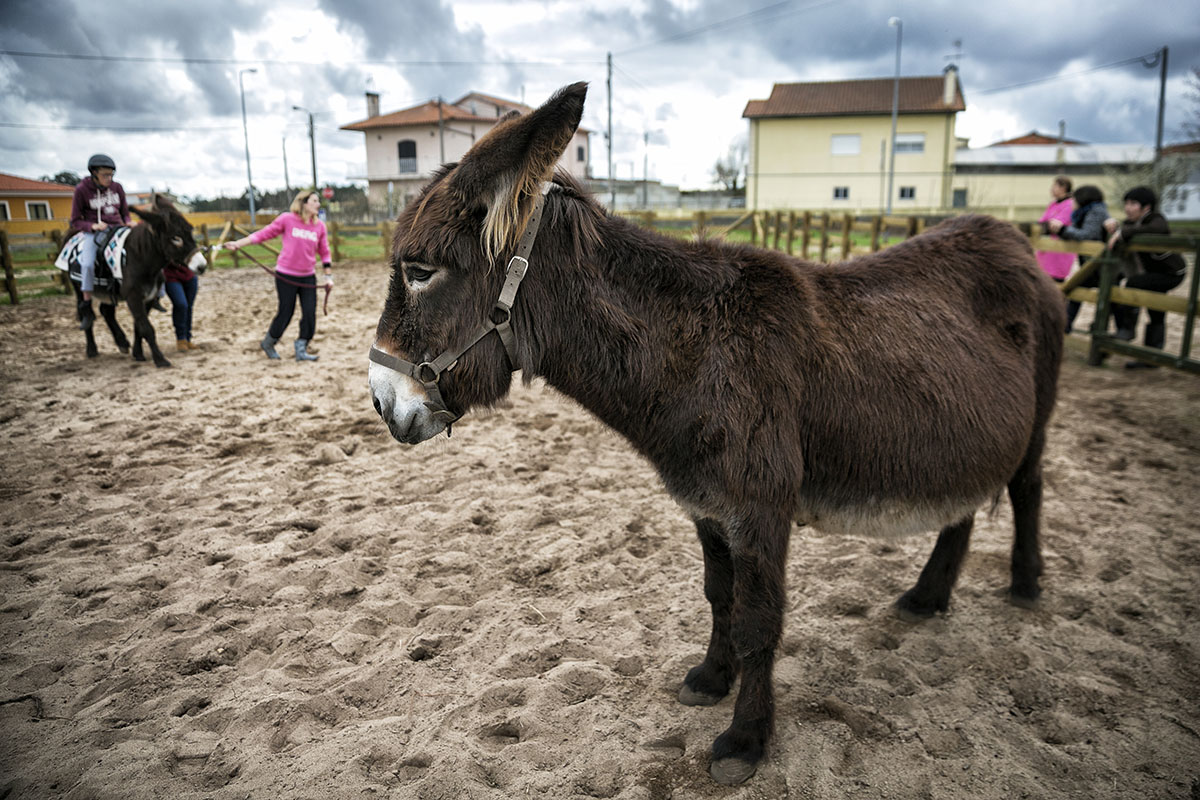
column 429, row 372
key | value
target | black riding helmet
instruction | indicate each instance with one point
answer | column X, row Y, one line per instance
column 100, row 160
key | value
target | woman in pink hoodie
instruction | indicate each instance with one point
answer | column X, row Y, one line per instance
column 1058, row 265
column 295, row 269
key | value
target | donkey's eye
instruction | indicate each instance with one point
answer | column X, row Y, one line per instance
column 417, row 275
column 177, row 241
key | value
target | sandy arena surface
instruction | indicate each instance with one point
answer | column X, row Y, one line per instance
column 225, row 580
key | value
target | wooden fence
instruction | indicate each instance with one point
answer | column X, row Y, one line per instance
column 812, row 234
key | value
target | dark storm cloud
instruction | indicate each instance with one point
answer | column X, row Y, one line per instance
column 415, row 30
column 81, row 91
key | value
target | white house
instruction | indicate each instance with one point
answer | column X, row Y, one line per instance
column 404, row 148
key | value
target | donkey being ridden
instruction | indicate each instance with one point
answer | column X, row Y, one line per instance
column 165, row 238
column 895, row 393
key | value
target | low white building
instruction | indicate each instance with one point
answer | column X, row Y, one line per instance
column 404, row 148
column 1013, row 181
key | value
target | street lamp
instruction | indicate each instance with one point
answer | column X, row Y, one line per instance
column 898, row 24
column 312, row 142
column 246, row 139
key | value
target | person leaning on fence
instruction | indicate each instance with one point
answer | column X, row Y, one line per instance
column 1155, row 272
column 1057, row 265
column 295, row 275
column 98, row 204
column 1086, row 225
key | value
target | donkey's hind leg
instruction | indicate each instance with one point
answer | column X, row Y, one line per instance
column 109, row 312
column 932, row 591
column 711, row 680
column 1025, row 494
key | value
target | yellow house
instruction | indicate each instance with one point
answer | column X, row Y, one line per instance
column 825, row 145
column 23, row 201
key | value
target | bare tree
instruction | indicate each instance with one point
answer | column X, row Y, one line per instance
column 729, row 172
column 1191, row 119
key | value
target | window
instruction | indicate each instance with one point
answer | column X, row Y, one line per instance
column 960, row 198
column 37, row 209
column 845, row 144
column 579, row 154
column 5, row 216
column 908, row 193
column 841, row 193
column 910, row 143
column 407, row 151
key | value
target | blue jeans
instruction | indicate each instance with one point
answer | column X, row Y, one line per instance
column 183, row 300
column 87, row 262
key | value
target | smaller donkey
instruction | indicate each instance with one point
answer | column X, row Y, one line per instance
column 165, row 237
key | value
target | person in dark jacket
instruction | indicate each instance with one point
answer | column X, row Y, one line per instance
column 1155, row 272
column 99, row 204
column 1086, row 225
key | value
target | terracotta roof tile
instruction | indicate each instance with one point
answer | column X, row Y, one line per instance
column 13, row 183
column 1033, row 137
column 423, row 114
column 842, row 98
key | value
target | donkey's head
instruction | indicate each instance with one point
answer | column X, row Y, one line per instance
column 172, row 232
column 449, row 258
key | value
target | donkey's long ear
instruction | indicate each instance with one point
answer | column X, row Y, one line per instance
column 156, row 218
column 504, row 170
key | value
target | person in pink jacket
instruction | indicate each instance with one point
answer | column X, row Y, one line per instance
column 1058, row 265
column 295, row 269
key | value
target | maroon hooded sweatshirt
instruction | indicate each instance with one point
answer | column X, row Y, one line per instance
column 93, row 204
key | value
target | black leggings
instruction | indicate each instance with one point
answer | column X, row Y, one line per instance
column 287, row 304
column 1127, row 316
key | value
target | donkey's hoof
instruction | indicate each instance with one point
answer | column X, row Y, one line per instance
column 124, row 348
column 910, row 609
column 690, row 697
column 92, row 352
column 1023, row 600
column 161, row 362
column 731, row 771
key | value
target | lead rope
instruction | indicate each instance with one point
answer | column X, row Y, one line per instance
column 428, row 373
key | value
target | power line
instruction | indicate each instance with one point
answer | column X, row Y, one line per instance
column 283, row 62
column 134, row 128
column 763, row 14
column 1153, row 56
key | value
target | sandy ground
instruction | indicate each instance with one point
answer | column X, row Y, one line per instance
column 226, row 580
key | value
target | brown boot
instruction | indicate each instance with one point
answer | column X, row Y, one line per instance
column 183, row 345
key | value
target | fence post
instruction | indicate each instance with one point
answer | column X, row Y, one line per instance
column 701, row 225
column 791, row 234
column 806, row 234
column 385, row 238
column 876, row 226
column 912, row 228
column 824, row 236
column 10, row 280
column 335, row 240
column 847, row 226
column 208, row 256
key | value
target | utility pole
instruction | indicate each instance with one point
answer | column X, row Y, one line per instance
column 246, row 139
column 612, row 186
column 441, row 134
column 312, row 142
column 894, row 22
column 1162, row 102
column 287, row 186
column 645, row 169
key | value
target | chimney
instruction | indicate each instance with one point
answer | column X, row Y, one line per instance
column 1060, row 154
column 372, row 104
column 949, row 89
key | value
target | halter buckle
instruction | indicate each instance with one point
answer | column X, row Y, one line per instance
column 517, row 269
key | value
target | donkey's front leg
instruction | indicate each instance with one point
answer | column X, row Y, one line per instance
column 711, row 680
column 758, row 550
column 144, row 329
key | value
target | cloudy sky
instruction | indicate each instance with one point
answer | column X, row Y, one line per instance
column 159, row 89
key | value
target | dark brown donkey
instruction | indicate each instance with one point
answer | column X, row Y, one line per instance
column 165, row 237
column 894, row 393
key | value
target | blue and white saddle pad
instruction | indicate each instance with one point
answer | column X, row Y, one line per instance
column 114, row 257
